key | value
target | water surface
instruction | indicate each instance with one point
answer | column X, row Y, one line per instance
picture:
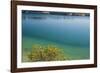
column 70, row 33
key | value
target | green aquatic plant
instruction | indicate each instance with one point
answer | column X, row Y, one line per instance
column 48, row 53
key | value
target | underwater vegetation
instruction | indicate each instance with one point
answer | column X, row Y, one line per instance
column 46, row 53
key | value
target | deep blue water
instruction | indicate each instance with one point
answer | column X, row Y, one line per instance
column 73, row 31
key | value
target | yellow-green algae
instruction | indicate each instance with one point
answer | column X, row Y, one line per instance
column 46, row 53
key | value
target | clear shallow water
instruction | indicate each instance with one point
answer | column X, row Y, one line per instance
column 70, row 33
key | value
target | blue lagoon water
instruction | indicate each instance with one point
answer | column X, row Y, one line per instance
column 70, row 33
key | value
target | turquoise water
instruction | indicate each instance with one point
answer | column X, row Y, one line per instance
column 70, row 33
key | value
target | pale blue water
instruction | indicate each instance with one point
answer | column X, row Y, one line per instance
column 71, row 33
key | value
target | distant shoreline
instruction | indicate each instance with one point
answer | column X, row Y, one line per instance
column 55, row 13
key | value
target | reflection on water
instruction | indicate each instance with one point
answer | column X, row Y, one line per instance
column 55, row 15
column 46, row 16
column 33, row 17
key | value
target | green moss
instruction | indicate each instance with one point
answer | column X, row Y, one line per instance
column 47, row 53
